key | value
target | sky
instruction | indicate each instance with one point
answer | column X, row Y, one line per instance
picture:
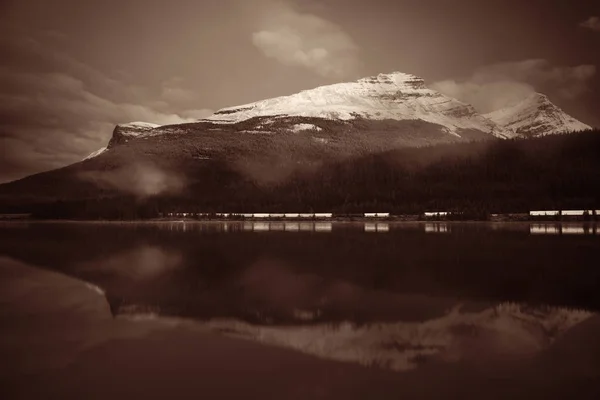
column 73, row 69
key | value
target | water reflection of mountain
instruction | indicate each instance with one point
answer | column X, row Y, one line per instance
column 62, row 342
column 502, row 331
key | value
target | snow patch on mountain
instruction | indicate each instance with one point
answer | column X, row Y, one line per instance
column 304, row 127
column 96, row 153
column 396, row 96
column 535, row 116
column 137, row 129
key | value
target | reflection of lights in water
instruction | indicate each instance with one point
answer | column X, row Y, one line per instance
column 436, row 228
column 323, row 227
column 306, row 226
column 277, row 226
column 261, row 226
column 376, row 227
column 544, row 229
column 573, row 230
column 370, row 227
column 292, row 227
column 565, row 229
column 383, row 227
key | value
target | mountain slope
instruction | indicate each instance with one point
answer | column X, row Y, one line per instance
column 535, row 116
column 394, row 96
column 249, row 150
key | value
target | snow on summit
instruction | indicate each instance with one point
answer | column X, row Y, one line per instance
column 396, row 96
column 535, row 116
column 140, row 125
column 137, row 129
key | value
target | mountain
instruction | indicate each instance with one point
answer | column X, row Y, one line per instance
column 371, row 115
column 395, row 96
column 244, row 154
column 535, row 116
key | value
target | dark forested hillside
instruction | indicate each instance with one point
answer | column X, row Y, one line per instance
column 559, row 171
column 500, row 176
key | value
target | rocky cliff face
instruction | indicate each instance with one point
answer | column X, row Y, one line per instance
column 133, row 130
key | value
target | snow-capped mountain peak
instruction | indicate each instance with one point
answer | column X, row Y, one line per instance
column 133, row 130
column 392, row 96
column 535, row 116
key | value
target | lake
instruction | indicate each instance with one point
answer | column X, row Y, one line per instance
column 300, row 309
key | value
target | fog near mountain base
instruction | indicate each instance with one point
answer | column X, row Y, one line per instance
column 140, row 179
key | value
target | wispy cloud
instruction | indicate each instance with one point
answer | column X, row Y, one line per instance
column 499, row 85
column 592, row 23
column 308, row 41
column 55, row 110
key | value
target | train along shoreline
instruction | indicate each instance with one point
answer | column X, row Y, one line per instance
column 533, row 216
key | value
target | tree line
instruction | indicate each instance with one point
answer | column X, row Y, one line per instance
column 475, row 179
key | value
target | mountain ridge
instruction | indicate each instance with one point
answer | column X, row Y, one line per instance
column 263, row 147
column 535, row 116
column 394, row 96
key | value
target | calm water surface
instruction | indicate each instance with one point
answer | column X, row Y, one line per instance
column 385, row 306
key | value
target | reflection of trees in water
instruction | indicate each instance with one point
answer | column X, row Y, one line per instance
column 198, row 273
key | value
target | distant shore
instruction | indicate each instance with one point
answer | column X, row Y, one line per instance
column 500, row 218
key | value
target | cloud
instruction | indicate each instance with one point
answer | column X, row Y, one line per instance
column 141, row 179
column 174, row 92
column 592, row 23
column 499, row 85
column 55, row 110
column 308, row 41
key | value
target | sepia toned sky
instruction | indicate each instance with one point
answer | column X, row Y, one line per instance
column 72, row 69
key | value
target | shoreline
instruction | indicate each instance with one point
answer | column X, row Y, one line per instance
column 291, row 220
